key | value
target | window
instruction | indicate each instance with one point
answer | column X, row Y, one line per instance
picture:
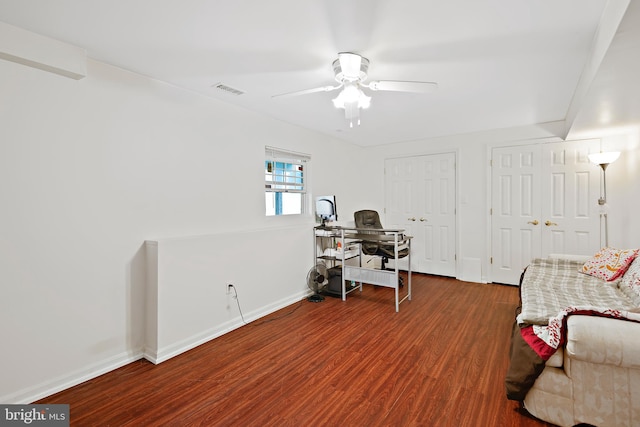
column 285, row 182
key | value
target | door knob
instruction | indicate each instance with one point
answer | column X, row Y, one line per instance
column 534, row 222
column 549, row 223
column 423, row 219
column 412, row 218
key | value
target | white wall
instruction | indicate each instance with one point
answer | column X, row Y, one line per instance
column 623, row 191
column 91, row 169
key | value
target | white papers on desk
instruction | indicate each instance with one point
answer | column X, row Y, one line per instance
column 349, row 253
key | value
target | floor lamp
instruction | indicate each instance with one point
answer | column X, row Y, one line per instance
column 603, row 160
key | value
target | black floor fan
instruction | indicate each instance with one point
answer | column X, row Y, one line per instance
column 317, row 280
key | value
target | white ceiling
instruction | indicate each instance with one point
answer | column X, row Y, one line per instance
column 613, row 100
column 498, row 63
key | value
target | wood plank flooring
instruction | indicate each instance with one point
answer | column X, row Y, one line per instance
column 440, row 361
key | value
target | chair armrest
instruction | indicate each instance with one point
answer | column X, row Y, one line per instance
column 382, row 230
column 603, row 340
column 383, row 238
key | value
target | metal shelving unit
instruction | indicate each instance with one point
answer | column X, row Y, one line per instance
column 351, row 239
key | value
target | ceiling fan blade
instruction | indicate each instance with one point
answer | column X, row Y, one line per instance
column 307, row 91
column 403, row 86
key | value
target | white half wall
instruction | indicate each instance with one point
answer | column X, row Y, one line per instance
column 189, row 278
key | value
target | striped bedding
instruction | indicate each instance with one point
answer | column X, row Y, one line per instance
column 551, row 285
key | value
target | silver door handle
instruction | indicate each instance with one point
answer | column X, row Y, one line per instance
column 412, row 218
column 423, row 219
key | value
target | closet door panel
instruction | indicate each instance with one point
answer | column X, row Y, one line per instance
column 543, row 201
column 515, row 214
column 427, row 211
column 570, row 212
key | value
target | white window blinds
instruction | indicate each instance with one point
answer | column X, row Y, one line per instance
column 285, row 171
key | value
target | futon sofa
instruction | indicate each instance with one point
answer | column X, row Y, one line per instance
column 575, row 347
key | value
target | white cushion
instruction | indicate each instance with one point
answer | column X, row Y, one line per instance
column 557, row 359
column 603, row 340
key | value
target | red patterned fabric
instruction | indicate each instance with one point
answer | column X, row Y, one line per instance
column 542, row 349
column 546, row 339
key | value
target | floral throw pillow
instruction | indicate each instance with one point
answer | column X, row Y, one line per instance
column 632, row 277
column 609, row 263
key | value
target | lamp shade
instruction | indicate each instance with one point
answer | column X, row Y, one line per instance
column 604, row 158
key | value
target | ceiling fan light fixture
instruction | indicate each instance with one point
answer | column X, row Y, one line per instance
column 352, row 113
column 352, row 95
column 364, row 101
column 350, row 67
column 338, row 102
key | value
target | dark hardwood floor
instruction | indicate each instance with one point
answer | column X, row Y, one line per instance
column 440, row 361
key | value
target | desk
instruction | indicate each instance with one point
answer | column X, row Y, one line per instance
column 327, row 239
column 359, row 274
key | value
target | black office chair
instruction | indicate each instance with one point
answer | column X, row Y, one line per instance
column 370, row 219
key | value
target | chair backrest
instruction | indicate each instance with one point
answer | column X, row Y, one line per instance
column 367, row 219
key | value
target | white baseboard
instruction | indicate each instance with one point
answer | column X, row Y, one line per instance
column 194, row 341
column 64, row 382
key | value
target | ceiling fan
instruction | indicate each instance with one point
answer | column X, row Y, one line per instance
column 350, row 70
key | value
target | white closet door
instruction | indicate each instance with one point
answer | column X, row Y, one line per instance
column 543, row 201
column 570, row 213
column 420, row 197
column 401, row 181
column 515, row 211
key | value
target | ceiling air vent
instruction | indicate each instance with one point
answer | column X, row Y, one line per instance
column 228, row 89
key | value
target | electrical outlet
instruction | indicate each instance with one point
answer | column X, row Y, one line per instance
column 228, row 287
